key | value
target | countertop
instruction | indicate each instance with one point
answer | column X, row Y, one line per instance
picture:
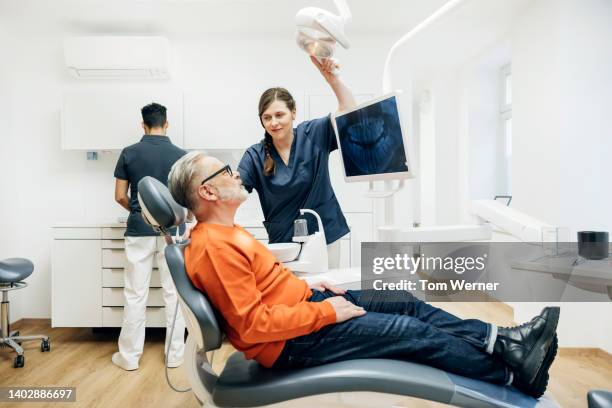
column 247, row 223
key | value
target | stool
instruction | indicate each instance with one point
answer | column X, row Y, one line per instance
column 12, row 273
column 599, row 399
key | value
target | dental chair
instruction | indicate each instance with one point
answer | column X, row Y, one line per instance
column 355, row 383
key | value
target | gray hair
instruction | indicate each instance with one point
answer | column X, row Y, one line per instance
column 182, row 181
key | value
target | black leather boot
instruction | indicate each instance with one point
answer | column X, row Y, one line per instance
column 524, row 348
column 537, row 387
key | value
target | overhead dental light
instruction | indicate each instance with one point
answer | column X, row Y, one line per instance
column 318, row 30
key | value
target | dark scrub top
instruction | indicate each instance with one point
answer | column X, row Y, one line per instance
column 152, row 156
column 303, row 183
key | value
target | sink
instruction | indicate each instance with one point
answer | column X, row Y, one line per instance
column 285, row 251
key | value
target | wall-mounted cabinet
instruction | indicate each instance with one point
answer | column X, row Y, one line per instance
column 107, row 117
column 222, row 121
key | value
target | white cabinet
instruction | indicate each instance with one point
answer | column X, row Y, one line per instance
column 76, row 283
column 88, row 267
column 118, row 106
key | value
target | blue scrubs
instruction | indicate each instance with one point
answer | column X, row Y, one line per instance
column 303, row 183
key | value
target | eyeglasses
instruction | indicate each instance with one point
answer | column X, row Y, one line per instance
column 223, row 169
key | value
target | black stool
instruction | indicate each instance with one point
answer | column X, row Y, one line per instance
column 12, row 273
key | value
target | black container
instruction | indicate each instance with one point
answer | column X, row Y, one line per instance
column 593, row 244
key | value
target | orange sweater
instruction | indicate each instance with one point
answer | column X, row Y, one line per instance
column 262, row 302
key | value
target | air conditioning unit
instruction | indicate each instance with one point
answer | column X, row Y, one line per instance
column 117, row 57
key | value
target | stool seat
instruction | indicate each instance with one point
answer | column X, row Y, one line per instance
column 15, row 270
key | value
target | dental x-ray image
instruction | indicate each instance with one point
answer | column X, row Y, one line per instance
column 371, row 140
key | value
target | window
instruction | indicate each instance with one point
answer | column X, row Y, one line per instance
column 505, row 142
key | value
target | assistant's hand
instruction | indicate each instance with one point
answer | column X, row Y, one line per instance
column 326, row 66
column 344, row 309
column 323, row 286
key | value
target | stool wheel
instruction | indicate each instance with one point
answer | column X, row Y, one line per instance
column 45, row 345
column 19, row 361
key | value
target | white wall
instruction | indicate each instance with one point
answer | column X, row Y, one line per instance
column 562, row 91
column 562, row 98
column 43, row 186
column 483, row 95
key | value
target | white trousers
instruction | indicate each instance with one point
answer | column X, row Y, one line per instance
column 140, row 252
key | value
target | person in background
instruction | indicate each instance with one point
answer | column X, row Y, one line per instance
column 289, row 167
column 153, row 156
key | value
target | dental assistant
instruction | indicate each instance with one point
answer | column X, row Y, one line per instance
column 289, row 168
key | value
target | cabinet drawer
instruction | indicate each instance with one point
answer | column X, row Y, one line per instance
column 76, row 233
column 258, row 233
column 113, row 233
column 114, row 297
column 113, row 243
column 113, row 278
column 113, row 316
column 115, row 258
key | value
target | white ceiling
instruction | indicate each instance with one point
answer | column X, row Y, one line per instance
column 188, row 17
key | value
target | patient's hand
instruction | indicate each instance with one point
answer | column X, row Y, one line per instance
column 345, row 310
column 322, row 286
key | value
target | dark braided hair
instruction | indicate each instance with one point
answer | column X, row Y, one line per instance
column 269, row 165
column 266, row 99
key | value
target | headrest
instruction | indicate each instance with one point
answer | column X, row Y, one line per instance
column 158, row 207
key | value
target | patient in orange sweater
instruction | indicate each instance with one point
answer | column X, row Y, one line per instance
column 263, row 304
column 278, row 320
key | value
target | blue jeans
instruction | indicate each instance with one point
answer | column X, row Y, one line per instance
column 400, row 326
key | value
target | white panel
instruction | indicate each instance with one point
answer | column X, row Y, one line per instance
column 76, row 280
column 113, row 316
column 361, row 231
column 345, row 253
column 227, row 120
column 107, row 117
column 114, row 297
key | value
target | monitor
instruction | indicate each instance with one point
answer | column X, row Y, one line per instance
column 372, row 141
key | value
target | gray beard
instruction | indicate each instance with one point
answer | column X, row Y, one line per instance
column 238, row 194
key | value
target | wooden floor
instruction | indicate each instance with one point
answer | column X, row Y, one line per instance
column 81, row 358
